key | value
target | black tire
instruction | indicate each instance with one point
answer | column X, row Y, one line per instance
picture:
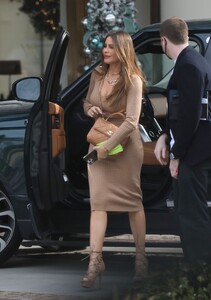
column 10, row 238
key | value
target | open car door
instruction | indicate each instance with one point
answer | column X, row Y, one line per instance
column 45, row 136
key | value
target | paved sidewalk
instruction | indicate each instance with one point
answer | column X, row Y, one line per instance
column 38, row 275
column 32, row 296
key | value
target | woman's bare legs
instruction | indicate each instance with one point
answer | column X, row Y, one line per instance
column 138, row 228
column 98, row 224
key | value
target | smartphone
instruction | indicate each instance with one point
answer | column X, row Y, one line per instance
column 91, row 157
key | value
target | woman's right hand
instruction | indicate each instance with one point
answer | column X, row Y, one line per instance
column 95, row 112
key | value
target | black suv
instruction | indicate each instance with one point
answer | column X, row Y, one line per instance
column 44, row 194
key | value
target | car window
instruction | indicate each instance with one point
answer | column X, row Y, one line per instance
column 155, row 64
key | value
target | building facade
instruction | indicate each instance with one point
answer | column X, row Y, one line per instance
column 26, row 52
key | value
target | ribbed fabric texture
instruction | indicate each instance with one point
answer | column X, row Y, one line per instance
column 115, row 182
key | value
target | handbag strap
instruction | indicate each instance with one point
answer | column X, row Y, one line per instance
column 115, row 113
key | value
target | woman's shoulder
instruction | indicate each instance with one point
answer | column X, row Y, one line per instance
column 136, row 79
column 98, row 71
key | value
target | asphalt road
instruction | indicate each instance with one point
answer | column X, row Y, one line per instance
column 37, row 274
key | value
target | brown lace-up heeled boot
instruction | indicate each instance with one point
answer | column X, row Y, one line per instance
column 95, row 269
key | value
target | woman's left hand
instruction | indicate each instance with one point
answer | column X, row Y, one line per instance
column 102, row 152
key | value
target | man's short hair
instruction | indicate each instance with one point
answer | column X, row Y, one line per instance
column 175, row 29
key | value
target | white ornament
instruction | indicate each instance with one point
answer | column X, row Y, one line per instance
column 87, row 51
column 110, row 19
column 84, row 22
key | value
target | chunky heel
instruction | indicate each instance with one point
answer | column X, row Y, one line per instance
column 95, row 269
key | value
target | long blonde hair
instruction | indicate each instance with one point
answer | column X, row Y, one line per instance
column 123, row 45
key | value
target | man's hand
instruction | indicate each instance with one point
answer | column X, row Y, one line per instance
column 173, row 167
column 161, row 150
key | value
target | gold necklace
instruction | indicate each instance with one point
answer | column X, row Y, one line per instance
column 111, row 81
column 117, row 73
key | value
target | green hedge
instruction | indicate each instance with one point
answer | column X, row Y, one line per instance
column 180, row 282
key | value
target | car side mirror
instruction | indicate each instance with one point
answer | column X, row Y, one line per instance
column 27, row 89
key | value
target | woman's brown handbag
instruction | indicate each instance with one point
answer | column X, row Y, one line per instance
column 101, row 131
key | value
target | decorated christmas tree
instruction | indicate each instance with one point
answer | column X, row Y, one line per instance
column 102, row 17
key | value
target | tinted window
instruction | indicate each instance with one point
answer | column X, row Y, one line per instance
column 155, row 64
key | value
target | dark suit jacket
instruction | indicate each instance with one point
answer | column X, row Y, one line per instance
column 191, row 77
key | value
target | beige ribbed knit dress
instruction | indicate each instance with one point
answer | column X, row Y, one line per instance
column 114, row 182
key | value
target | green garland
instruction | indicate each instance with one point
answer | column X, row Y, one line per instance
column 44, row 15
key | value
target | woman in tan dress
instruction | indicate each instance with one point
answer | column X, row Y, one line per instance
column 114, row 180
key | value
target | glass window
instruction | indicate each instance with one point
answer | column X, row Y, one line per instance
column 155, row 64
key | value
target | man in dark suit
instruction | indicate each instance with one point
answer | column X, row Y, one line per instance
column 188, row 139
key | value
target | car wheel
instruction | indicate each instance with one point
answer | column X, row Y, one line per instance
column 10, row 238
